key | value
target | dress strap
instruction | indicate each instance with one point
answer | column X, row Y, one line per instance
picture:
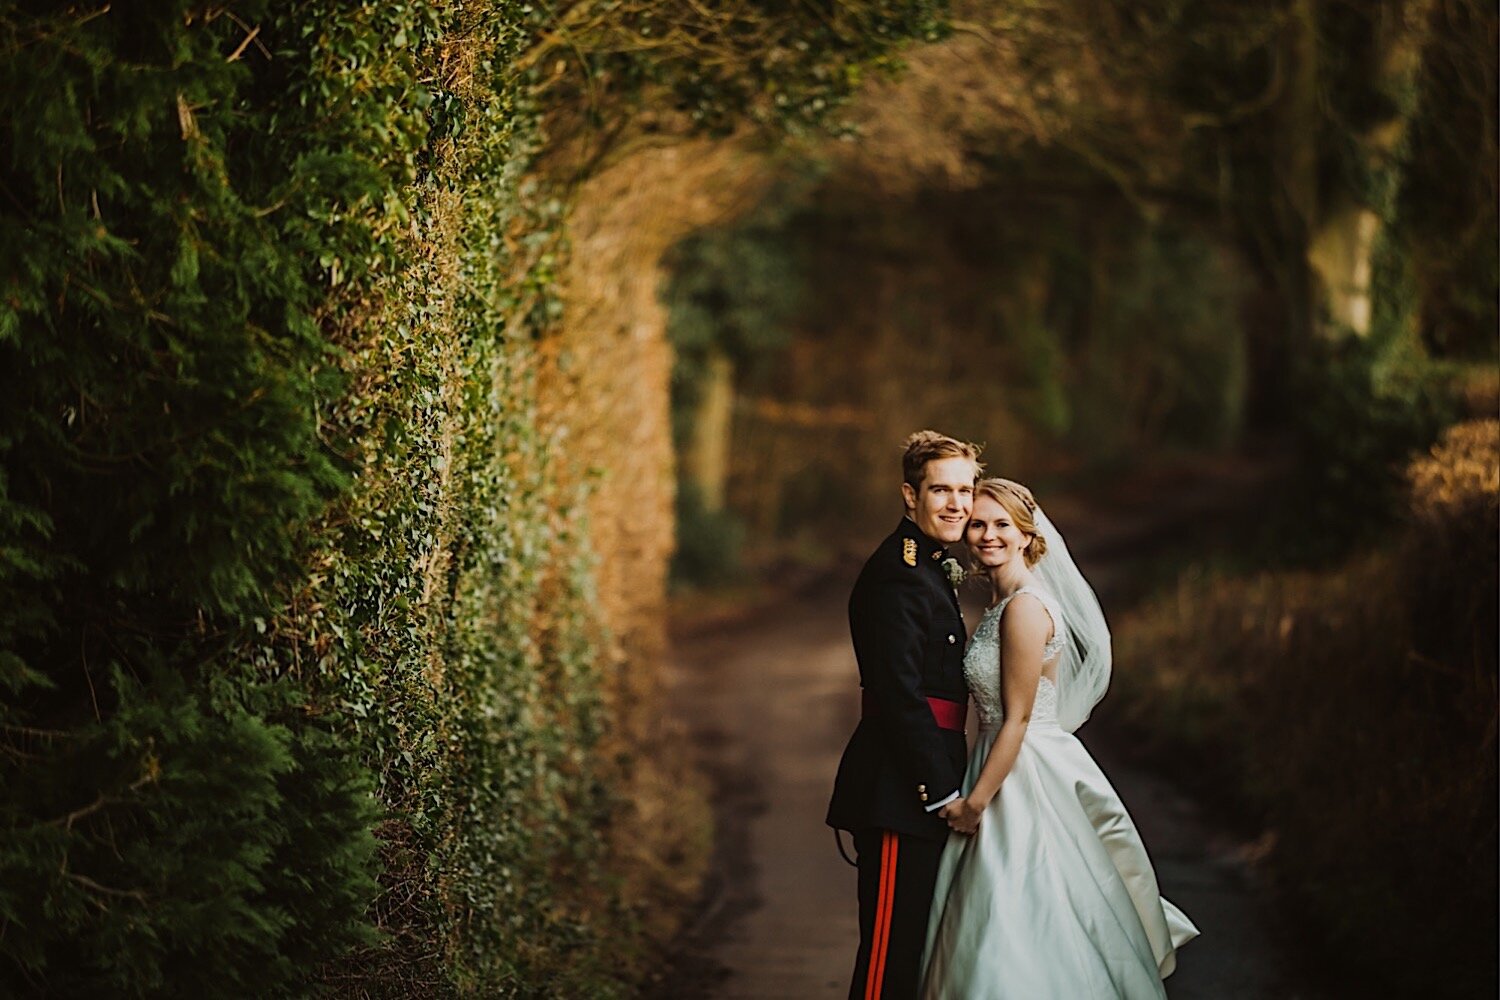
column 1028, row 589
column 1053, row 644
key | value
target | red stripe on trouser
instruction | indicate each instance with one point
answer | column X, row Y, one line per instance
column 883, row 906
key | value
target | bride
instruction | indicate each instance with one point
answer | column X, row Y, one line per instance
column 1044, row 892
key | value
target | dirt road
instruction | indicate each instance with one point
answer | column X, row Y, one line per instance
column 771, row 701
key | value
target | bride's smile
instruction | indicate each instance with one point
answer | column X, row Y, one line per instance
column 992, row 537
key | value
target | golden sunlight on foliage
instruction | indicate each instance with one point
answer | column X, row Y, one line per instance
column 604, row 388
column 1463, row 471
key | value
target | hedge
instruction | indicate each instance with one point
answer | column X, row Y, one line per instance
column 297, row 659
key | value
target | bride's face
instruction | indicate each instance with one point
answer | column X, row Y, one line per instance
column 992, row 535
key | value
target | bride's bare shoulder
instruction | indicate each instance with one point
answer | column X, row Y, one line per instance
column 1025, row 614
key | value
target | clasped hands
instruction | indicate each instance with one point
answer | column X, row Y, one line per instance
column 962, row 815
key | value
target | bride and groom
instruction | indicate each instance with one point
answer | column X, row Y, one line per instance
column 1019, row 874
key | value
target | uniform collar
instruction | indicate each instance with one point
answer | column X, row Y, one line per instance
column 928, row 550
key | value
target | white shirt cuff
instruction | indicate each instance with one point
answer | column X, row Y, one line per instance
column 938, row 805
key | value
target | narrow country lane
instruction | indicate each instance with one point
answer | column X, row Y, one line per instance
column 769, row 702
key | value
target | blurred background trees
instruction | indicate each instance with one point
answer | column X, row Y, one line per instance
column 1085, row 233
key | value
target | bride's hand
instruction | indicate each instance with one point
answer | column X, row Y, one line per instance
column 963, row 816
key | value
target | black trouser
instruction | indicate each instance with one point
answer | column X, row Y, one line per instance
column 896, row 876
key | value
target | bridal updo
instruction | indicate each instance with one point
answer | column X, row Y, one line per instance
column 1021, row 506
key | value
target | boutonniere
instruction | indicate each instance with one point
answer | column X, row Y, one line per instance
column 954, row 571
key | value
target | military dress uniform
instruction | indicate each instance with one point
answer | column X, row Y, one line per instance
column 907, row 754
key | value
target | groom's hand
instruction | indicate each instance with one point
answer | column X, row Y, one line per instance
column 961, row 816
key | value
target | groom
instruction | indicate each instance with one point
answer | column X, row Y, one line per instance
column 904, row 763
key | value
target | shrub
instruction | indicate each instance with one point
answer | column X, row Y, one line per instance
column 174, row 822
column 1453, row 545
column 1353, row 711
column 181, row 848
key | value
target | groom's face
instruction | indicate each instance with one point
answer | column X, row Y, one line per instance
column 941, row 506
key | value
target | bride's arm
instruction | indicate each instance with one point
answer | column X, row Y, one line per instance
column 1025, row 626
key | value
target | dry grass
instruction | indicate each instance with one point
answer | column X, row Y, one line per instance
column 1354, row 712
column 1460, row 477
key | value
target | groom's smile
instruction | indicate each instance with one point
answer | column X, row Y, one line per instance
column 941, row 506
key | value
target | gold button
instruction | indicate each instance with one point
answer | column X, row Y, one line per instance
column 924, row 796
column 921, row 788
column 951, row 639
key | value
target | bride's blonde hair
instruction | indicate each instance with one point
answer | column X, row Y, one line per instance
column 1021, row 506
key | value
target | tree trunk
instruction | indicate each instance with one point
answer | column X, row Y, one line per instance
column 707, row 459
column 1346, row 222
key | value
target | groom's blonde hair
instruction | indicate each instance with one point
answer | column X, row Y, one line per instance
column 927, row 446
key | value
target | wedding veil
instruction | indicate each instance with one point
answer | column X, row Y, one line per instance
column 1083, row 667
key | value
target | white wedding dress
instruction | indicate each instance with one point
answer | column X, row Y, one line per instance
column 1054, row 897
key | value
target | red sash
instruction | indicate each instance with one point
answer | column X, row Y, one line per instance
column 948, row 714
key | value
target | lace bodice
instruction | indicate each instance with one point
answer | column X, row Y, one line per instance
column 982, row 665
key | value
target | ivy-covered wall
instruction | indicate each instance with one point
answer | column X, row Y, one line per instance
column 305, row 675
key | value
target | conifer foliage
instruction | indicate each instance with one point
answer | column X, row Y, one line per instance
column 174, row 823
